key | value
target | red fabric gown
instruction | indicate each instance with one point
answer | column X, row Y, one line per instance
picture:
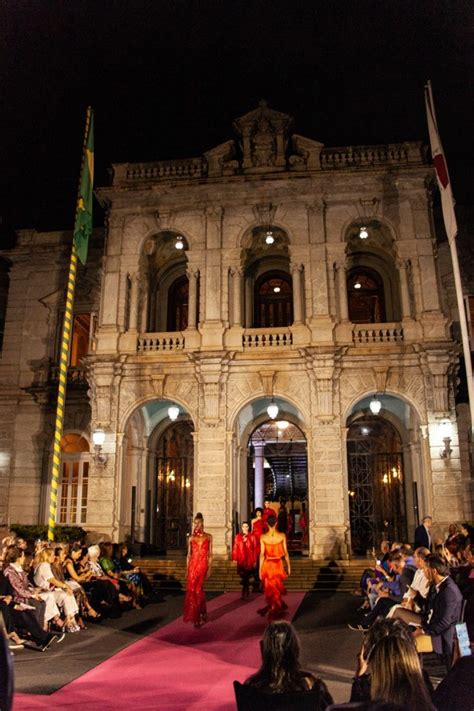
column 245, row 551
column 195, row 600
column 272, row 577
column 269, row 512
column 259, row 527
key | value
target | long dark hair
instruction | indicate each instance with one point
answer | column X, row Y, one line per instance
column 281, row 671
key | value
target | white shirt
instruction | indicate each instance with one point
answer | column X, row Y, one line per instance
column 43, row 575
column 419, row 584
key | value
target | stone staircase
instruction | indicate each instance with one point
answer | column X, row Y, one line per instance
column 316, row 575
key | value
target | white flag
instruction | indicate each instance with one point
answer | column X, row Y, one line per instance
column 439, row 161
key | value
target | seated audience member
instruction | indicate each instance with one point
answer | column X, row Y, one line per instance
column 127, row 589
column 124, row 565
column 467, row 536
column 24, row 592
column 104, row 593
column 444, row 608
column 380, row 570
column 75, row 579
column 391, row 592
column 453, row 539
column 395, row 674
column 280, row 672
column 63, row 593
column 414, row 600
column 361, row 691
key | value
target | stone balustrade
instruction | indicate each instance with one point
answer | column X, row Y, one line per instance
column 364, row 333
column 371, row 156
column 155, row 342
column 167, row 170
column 266, row 338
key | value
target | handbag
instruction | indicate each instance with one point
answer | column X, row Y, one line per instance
column 424, row 643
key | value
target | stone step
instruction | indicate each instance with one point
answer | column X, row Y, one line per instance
column 342, row 576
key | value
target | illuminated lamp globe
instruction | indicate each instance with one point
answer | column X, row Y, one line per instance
column 272, row 410
column 98, row 438
column 363, row 233
column 375, row 406
column 269, row 239
column 357, row 285
column 276, row 289
column 173, row 412
column 179, row 244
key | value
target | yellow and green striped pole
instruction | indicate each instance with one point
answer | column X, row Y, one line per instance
column 63, row 365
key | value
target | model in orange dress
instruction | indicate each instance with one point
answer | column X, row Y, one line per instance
column 273, row 550
column 199, row 564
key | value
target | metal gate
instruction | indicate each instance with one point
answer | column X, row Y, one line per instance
column 376, row 496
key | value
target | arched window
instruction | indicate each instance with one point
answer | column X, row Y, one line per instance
column 273, row 300
column 178, row 295
column 74, row 484
column 365, row 296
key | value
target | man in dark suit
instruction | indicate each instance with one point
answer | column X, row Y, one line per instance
column 423, row 535
column 444, row 609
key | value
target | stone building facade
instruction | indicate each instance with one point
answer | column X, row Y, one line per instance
column 270, row 269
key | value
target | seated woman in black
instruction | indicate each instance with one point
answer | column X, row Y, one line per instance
column 281, row 672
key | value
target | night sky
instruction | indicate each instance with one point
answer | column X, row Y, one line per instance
column 166, row 79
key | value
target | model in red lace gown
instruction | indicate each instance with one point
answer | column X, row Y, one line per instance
column 246, row 554
column 273, row 550
column 199, row 563
column 259, row 526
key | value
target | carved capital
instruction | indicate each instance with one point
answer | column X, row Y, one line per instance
column 214, row 212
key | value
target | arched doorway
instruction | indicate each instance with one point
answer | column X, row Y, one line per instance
column 157, row 476
column 277, row 471
column 178, row 297
column 376, row 480
column 365, row 296
column 174, row 467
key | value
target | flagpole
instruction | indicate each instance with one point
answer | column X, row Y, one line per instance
column 447, row 203
column 63, row 364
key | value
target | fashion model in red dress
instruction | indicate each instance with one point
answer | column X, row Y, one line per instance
column 199, row 562
column 259, row 526
column 272, row 573
column 245, row 553
column 268, row 511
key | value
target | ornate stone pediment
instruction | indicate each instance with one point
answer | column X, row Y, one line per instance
column 264, row 133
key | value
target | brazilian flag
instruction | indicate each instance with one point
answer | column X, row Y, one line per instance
column 83, row 224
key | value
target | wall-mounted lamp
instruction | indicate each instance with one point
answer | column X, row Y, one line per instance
column 272, row 409
column 375, row 405
column 98, row 438
column 173, row 412
column 445, row 431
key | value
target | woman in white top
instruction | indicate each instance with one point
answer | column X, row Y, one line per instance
column 63, row 593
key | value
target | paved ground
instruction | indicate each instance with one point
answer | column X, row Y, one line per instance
column 328, row 648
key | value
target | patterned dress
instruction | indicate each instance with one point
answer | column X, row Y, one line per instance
column 195, row 600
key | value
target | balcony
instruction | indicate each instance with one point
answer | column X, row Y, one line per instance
column 364, row 333
column 267, row 338
column 161, row 342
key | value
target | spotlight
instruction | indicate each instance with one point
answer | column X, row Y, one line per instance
column 173, row 412
column 272, row 409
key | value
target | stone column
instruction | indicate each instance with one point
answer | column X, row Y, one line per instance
column 248, row 302
column 405, row 297
column 192, row 277
column 237, row 296
column 133, row 319
column 259, row 475
column 341, row 287
column 297, row 302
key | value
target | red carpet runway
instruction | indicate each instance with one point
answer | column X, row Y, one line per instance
column 177, row 668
